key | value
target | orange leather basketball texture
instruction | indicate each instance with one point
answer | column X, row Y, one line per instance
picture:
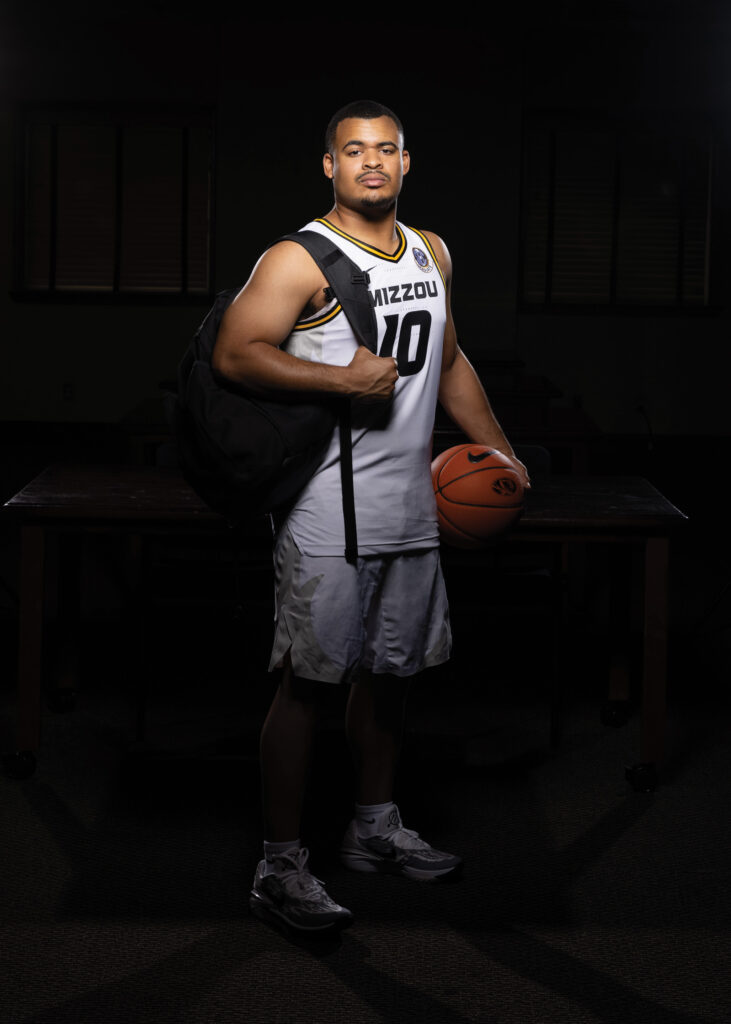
column 479, row 494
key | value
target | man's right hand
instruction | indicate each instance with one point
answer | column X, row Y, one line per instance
column 371, row 377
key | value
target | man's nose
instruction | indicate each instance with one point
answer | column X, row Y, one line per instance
column 372, row 159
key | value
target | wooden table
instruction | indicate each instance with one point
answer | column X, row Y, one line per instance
column 142, row 500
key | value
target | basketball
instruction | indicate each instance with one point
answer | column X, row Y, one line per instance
column 479, row 494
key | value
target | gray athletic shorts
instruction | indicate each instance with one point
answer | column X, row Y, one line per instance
column 387, row 614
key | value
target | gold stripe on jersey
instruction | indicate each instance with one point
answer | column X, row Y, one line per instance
column 304, row 325
column 394, row 258
column 427, row 243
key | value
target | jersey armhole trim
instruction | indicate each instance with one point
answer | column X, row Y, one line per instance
column 318, row 321
column 427, row 243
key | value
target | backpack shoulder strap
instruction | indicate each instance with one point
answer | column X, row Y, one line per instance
column 350, row 285
column 347, row 280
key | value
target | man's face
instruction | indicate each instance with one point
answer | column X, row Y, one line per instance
column 367, row 164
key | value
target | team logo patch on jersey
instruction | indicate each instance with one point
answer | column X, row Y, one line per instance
column 422, row 260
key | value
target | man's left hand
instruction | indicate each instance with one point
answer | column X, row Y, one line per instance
column 520, row 470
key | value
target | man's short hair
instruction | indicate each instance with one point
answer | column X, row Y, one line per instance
column 365, row 109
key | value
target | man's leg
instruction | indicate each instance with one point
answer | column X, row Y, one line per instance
column 376, row 839
column 284, row 889
column 285, row 750
column 374, row 723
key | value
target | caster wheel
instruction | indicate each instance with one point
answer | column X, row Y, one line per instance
column 61, row 701
column 19, row 765
column 642, row 777
column 616, row 713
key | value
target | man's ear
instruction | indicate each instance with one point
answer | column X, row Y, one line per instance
column 327, row 165
column 406, row 161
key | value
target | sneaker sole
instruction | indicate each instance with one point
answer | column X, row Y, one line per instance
column 270, row 915
column 361, row 862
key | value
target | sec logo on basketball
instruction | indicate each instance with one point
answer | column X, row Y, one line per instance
column 504, row 486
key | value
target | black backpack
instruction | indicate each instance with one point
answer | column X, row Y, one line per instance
column 246, row 455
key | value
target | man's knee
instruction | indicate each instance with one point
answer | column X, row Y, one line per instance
column 309, row 693
column 385, row 693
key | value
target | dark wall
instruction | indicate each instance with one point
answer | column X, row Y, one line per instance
column 641, row 61
column 461, row 92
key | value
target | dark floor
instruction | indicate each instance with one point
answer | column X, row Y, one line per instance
column 126, row 864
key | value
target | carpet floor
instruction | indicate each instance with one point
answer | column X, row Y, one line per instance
column 126, row 867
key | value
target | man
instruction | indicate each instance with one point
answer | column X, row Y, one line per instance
column 377, row 623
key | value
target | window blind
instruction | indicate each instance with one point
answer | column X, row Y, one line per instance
column 116, row 204
column 614, row 216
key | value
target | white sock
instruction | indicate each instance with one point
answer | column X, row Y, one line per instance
column 271, row 865
column 376, row 819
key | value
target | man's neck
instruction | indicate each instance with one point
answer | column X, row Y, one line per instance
column 378, row 230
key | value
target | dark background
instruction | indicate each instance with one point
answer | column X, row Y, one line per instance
column 630, row 392
column 126, row 866
column 462, row 93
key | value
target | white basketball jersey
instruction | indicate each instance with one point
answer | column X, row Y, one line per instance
column 394, row 500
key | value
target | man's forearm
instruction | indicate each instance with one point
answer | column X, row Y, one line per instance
column 265, row 368
column 463, row 398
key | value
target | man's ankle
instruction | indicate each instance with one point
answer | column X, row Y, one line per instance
column 369, row 818
column 273, row 851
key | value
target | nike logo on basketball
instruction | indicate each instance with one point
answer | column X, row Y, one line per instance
column 478, row 458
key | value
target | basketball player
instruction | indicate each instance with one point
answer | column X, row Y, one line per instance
column 375, row 624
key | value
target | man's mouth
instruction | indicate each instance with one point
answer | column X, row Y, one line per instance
column 372, row 179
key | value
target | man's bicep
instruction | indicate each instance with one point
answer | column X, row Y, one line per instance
column 267, row 307
column 259, row 314
column 451, row 349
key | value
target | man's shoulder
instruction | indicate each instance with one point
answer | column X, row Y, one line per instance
column 284, row 271
column 286, row 256
column 438, row 249
column 431, row 236
column 295, row 247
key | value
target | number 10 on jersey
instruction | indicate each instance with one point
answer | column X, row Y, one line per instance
column 417, row 319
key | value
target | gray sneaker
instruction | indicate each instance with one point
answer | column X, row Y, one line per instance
column 397, row 851
column 295, row 897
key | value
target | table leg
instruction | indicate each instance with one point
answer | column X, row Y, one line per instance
column 136, row 626
column 65, row 661
column 616, row 708
column 656, row 651
column 560, row 575
column 28, row 720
